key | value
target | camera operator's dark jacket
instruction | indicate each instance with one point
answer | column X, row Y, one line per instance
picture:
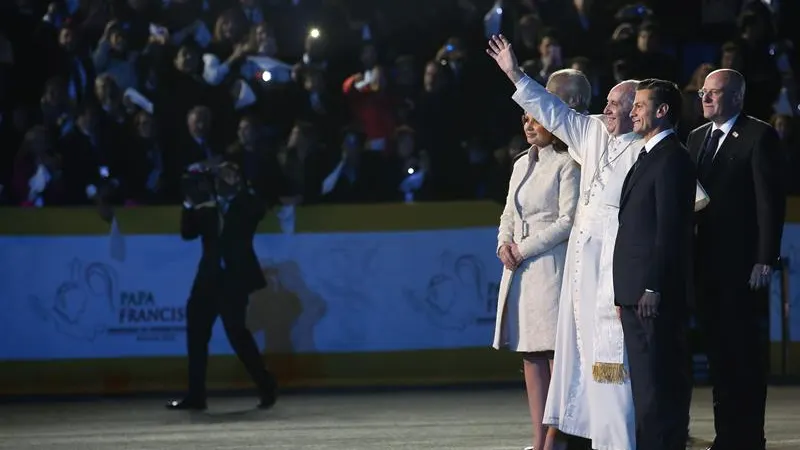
column 229, row 261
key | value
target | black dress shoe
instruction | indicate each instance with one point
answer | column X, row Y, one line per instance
column 187, row 404
column 267, row 401
column 269, row 392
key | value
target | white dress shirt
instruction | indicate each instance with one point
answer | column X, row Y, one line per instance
column 653, row 141
column 726, row 129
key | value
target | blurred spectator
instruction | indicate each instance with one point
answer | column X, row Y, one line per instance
column 73, row 64
column 319, row 106
column 85, row 152
column 732, row 57
column 198, row 144
column 757, row 38
column 258, row 161
column 650, row 59
column 550, row 57
column 370, row 103
column 409, row 175
column 37, row 171
column 358, row 175
column 692, row 114
column 497, row 185
column 56, row 108
column 404, row 87
column 527, row 39
column 227, row 50
column 583, row 64
column 142, row 88
column 302, row 161
column 114, row 58
column 147, row 179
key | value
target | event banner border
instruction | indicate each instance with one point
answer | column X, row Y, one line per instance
column 308, row 219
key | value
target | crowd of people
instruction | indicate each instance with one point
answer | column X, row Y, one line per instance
column 351, row 101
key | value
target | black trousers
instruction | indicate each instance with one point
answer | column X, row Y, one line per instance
column 660, row 378
column 735, row 325
column 201, row 313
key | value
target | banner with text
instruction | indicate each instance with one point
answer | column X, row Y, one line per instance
column 790, row 252
column 66, row 298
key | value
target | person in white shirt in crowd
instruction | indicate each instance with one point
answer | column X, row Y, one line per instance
column 590, row 395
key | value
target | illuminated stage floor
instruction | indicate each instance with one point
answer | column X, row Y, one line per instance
column 418, row 420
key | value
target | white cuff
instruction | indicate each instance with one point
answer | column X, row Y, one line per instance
column 522, row 82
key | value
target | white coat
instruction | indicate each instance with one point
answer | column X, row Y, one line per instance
column 538, row 217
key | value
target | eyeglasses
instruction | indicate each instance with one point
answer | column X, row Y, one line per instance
column 712, row 92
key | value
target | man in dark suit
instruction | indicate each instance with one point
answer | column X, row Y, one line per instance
column 651, row 267
column 228, row 273
column 738, row 243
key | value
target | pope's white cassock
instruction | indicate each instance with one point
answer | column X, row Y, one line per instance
column 590, row 394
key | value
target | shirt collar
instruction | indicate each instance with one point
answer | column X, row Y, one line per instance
column 726, row 127
column 625, row 138
column 653, row 141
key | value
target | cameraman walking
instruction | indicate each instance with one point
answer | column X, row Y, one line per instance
column 224, row 214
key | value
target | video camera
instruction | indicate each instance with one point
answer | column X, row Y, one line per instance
column 199, row 183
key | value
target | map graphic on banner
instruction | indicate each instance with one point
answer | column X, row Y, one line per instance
column 65, row 297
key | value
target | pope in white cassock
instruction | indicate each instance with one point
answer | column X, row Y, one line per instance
column 590, row 394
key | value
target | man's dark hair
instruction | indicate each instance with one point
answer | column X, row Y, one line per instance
column 664, row 92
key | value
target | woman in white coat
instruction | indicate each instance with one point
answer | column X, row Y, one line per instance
column 532, row 244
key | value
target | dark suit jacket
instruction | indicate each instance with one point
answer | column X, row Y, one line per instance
column 653, row 246
column 232, row 247
column 743, row 223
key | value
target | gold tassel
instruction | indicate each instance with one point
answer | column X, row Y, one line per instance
column 609, row 373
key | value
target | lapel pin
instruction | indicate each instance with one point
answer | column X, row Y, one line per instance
column 735, row 134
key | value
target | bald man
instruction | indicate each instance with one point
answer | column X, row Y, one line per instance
column 738, row 244
column 590, row 393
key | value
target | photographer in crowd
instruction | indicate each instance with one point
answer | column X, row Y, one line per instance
column 223, row 211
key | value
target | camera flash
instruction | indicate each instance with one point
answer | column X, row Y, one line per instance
column 410, row 170
column 266, row 76
column 314, row 33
